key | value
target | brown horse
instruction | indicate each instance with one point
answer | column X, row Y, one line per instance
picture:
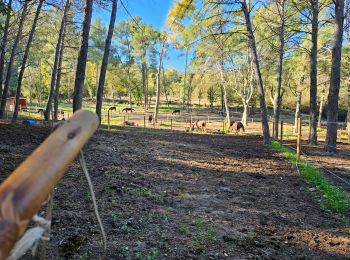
column 199, row 125
column 130, row 123
column 236, row 127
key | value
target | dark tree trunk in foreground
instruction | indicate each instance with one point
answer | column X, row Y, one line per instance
column 333, row 96
column 104, row 65
column 81, row 65
column 4, row 44
column 313, row 74
column 277, row 97
column 158, row 81
column 255, row 60
column 25, row 58
column 348, row 115
column 12, row 58
column 56, row 61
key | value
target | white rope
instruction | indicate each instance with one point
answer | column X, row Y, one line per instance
column 85, row 170
column 30, row 239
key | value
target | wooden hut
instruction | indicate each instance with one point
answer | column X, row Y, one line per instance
column 11, row 102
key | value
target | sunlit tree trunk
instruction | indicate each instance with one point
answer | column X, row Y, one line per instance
column 25, row 58
column 320, row 112
column 104, row 65
column 333, row 96
column 158, row 81
column 12, row 58
column 277, row 97
column 185, row 79
column 259, row 80
column 82, row 57
column 297, row 112
column 313, row 73
column 55, row 64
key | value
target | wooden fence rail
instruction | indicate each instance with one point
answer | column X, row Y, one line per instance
column 28, row 187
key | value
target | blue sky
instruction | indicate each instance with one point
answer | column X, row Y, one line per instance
column 152, row 12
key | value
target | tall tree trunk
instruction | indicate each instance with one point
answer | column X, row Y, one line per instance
column 59, row 69
column 297, row 112
column 25, row 58
column 277, row 97
column 129, row 88
column 185, row 79
column 224, row 87
column 333, row 96
column 313, row 74
column 158, row 81
column 255, row 60
column 40, row 87
column 320, row 112
column 81, row 64
column 348, row 115
column 245, row 113
column 4, row 44
column 104, row 64
column 12, row 58
column 56, row 61
column 144, row 81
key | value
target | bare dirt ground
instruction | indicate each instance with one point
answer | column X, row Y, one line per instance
column 175, row 195
column 335, row 167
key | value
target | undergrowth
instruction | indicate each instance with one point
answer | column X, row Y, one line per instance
column 334, row 199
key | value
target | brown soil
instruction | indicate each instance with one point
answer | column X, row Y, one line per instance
column 173, row 195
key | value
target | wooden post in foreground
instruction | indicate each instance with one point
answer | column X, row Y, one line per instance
column 299, row 139
column 28, row 187
column 281, row 134
column 144, row 121
column 171, row 124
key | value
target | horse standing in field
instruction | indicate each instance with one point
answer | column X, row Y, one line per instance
column 127, row 109
column 176, row 111
column 236, row 127
column 200, row 125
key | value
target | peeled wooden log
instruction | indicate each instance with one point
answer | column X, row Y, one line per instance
column 28, row 187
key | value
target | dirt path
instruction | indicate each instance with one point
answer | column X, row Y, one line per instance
column 179, row 196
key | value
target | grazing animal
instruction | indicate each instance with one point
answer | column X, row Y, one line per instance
column 221, row 113
column 130, row 123
column 40, row 110
column 176, row 111
column 199, row 125
column 236, row 127
column 150, row 118
column 127, row 109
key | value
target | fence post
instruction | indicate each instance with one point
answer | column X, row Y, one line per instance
column 299, row 139
column 124, row 120
column 171, row 124
column 281, row 134
column 144, row 121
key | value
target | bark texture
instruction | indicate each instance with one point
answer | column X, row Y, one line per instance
column 255, row 60
column 82, row 57
column 104, row 64
column 333, row 96
column 313, row 73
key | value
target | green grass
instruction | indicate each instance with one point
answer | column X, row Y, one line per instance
column 334, row 199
